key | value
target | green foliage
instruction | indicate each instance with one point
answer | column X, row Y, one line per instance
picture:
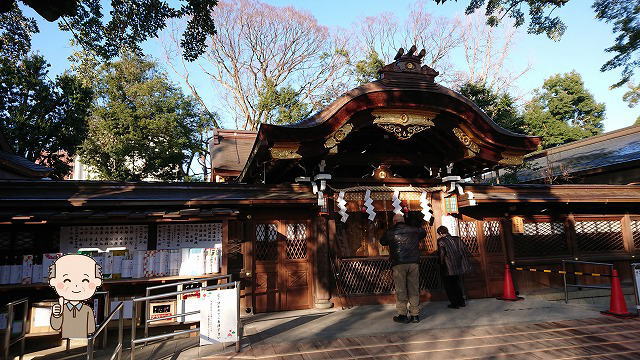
column 281, row 106
column 15, row 33
column 44, row 120
column 500, row 107
column 541, row 21
column 141, row 126
column 632, row 97
column 366, row 70
column 129, row 23
column 85, row 65
column 625, row 16
column 563, row 111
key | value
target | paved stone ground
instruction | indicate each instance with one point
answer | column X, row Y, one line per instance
column 488, row 328
column 569, row 339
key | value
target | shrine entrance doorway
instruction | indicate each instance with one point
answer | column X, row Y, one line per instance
column 282, row 267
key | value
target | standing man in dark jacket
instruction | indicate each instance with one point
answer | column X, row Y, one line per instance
column 404, row 254
column 454, row 261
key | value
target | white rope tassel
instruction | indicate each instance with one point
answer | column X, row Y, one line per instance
column 426, row 209
column 342, row 206
column 368, row 203
column 396, row 203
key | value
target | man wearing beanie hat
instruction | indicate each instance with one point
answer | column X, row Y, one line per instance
column 404, row 253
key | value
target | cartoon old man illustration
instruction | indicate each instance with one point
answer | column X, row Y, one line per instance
column 75, row 279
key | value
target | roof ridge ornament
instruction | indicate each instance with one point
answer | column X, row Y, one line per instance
column 407, row 67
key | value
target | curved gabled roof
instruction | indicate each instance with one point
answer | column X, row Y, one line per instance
column 405, row 86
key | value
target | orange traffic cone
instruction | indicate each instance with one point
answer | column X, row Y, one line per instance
column 617, row 305
column 508, row 291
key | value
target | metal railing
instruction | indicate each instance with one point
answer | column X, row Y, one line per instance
column 179, row 285
column 117, row 353
column 135, row 341
column 105, row 312
column 567, row 285
column 10, row 315
column 635, row 274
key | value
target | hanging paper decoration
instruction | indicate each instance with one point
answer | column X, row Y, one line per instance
column 453, row 186
column 342, row 206
column 368, row 203
column 472, row 201
column 426, row 209
column 396, row 203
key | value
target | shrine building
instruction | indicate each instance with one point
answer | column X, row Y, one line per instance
column 301, row 207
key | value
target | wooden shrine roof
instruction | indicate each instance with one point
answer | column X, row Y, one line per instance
column 542, row 193
column 18, row 165
column 229, row 151
column 619, row 148
column 79, row 194
column 416, row 115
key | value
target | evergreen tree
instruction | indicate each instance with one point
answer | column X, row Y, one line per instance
column 563, row 111
column 367, row 69
column 281, row 105
column 44, row 120
column 500, row 107
column 142, row 126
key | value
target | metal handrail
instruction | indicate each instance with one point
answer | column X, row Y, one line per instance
column 564, row 277
column 135, row 341
column 586, row 262
column 193, row 281
column 117, row 353
column 173, row 316
column 105, row 313
column 636, row 290
column 179, row 285
column 7, row 337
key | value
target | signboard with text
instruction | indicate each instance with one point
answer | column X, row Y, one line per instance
column 218, row 316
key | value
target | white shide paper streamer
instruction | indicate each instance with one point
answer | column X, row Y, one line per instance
column 342, row 206
column 368, row 203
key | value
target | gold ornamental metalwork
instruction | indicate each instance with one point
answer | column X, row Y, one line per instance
column 466, row 141
column 403, row 124
column 401, row 132
column 510, row 159
column 284, row 153
column 338, row 136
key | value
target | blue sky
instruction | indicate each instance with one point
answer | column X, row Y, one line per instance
column 581, row 48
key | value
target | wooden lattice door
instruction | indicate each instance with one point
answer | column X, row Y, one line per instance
column 474, row 281
column 282, row 269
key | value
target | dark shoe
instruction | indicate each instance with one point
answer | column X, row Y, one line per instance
column 401, row 319
column 415, row 319
column 451, row 306
column 462, row 305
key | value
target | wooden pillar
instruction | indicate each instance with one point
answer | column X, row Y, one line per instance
column 322, row 270
column 507, row 236
column 248, row 271
column 224, row 267
column 570, row 234
column 627, row 235
column 437, row 205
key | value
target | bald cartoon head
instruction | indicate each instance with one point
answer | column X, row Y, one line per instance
column 75, row 277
